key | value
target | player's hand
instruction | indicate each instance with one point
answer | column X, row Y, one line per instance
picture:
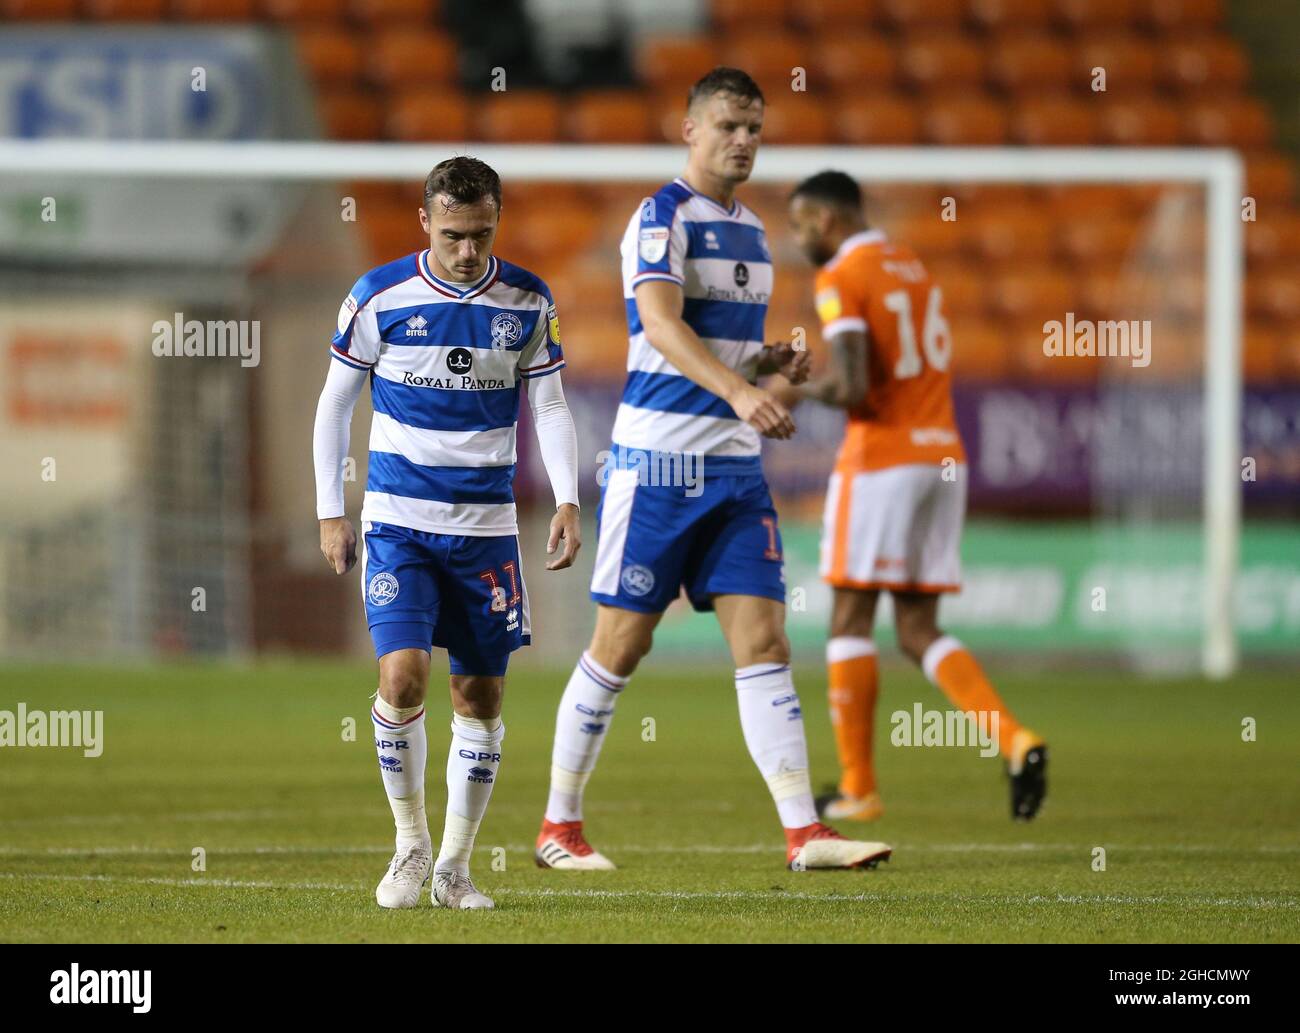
column 762, row 411
column 339, row 544
column 564, row 528
column 784, row 392
column 783, row 357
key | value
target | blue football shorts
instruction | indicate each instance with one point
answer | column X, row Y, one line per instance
column 463, row 593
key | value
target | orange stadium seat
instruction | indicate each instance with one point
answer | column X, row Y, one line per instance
column 965, row 290
column 1182, row 15
column 1274, row 237
column 730, row 15
column 1079, row 202
column 912, row 14
column 832, row 15
column 1005, row 15
column 853, row 60
column 1104, row 293
column 1023, row 62
column 1129, row 61
column 386, row 13
column 1261, row 353
column 423, row 113
column 349, row 114
column 1027, row 360
column 1236, row 122
column 371, row 194
column 124, row 10
column 332, row 55
column 936, row 240
column 883, row 118
column 675, row 62
column 1270, row 177
column 934, row 62
column 1177, row 348
column 1217, row 63
column 554, row 232
column 1093, row 242
column 39, row 10
column 795, row 119
column 1054, row 121
column 1140, row 121
column 1274, row 295
column 519, row 116
column 1289, row 354
column 411, row 56
column 979, row 198
column 609, row 116
column 770, row 56
column 667, row 109
column 1182, row 297
column 213, row 10
column 980, row 349
column 964, row 121
column 327, row 11
column 595, row 343
column 390, row 230
column 1080, row 15
column 1016, row 235
column 1038, row 294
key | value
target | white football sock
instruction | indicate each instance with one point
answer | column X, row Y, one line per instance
column 772, row 720
column 472, row 764
column 581, row 724
column 402, row 747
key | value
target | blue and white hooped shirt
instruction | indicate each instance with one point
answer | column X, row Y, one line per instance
column 720, row 258
column 446, row 363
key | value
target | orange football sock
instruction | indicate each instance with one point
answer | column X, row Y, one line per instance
column 853, row 683
column 949, row 665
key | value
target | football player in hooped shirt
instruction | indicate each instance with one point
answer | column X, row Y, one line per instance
column 447, row 337
column 696, row 279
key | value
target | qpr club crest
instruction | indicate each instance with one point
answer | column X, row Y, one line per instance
column 506, row 330
column 637, row 580
column 382, row 589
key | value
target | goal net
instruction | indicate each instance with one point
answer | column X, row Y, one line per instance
column 166, row 319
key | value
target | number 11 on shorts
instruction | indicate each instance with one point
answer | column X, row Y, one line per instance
column 499, row 601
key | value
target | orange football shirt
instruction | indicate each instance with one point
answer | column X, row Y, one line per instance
column 882, row 288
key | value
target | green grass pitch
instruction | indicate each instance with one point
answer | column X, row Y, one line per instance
column 1201, row 830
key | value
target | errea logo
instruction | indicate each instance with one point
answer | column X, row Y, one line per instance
column 416, row 326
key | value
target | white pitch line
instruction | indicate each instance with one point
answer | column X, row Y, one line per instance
column 1255, row 903
column 149, row 880
column 141, row 850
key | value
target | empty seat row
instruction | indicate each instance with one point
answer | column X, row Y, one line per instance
column 1014, row 62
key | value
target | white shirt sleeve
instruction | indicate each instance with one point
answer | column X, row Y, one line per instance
column 556, row 436
column 330, row 439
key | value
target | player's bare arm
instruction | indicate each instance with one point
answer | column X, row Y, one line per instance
column 660, row 306
column 844, row 384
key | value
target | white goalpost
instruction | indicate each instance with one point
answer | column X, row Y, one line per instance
column 1218, row 172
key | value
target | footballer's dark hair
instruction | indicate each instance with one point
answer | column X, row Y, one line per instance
column 831, row 187
column 726, row 80
column 465, row 180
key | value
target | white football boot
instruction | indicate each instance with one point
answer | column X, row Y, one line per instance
column 820, row 846
column 453, row 890
column 561, row 844
column 407, row 872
